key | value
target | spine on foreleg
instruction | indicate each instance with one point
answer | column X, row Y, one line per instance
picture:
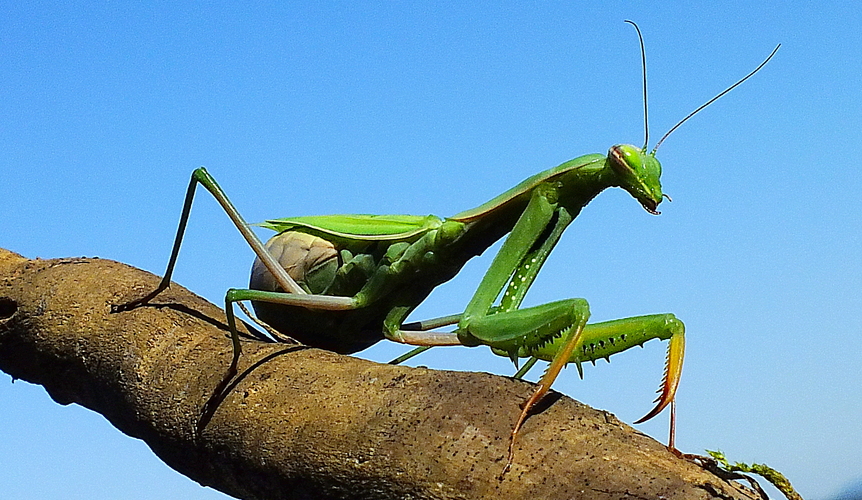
column 601, row 340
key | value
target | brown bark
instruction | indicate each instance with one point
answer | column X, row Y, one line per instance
column 306, row 423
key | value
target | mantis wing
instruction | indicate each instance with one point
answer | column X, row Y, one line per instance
column 360, row 226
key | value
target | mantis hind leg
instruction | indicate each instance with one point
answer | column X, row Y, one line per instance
column 202, row 177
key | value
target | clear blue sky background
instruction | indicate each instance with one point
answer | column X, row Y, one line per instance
column 424, row 108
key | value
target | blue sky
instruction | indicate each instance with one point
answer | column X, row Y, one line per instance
column 427, row 108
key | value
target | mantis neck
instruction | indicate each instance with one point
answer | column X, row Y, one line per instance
column 574, row 184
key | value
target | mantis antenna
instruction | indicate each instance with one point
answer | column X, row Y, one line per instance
column 643, row 64
column 707, row 103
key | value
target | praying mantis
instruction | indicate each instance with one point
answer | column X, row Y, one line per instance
column 345, row 282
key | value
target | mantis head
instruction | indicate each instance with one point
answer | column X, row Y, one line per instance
column 638, row 173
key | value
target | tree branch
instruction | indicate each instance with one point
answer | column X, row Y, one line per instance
column 306, row 423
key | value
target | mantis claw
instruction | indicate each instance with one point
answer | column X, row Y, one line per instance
column 672, row 373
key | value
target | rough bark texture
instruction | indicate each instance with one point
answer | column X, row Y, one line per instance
column 306, row 423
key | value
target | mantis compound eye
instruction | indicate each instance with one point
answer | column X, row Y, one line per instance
column 625, row 159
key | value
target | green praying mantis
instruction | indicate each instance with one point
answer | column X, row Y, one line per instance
column 345, row 282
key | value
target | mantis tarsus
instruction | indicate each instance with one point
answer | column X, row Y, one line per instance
column 345, row 282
